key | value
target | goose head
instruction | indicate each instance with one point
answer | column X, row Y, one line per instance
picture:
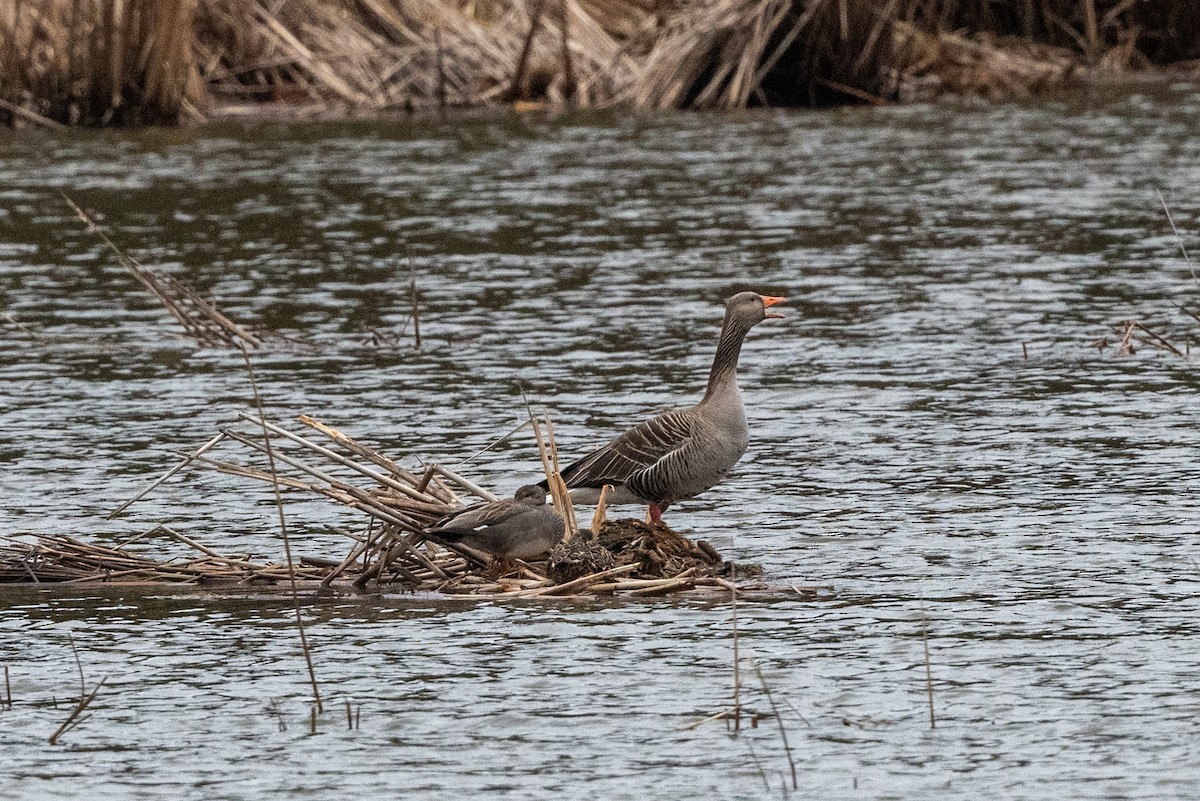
column 750, row 308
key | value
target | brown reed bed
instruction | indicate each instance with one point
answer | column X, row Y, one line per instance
column 392, row 553
column 96, row 62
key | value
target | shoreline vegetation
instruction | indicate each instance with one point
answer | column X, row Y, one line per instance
column 168, row 62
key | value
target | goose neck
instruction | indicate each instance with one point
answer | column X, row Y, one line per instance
column 723, row 376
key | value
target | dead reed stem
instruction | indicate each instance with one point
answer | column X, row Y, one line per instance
column 202, row 321
column 568, row 68
column 737, row 673
column 558, row 488
column 928, row 669
column 212, row 443
column 562, row 496
column 416, row 311
column 1178, row 238
column 598, row 516
column 787, row 749
column 85, row 698
column 31, row 116
column 287, row 545
column 514, row 89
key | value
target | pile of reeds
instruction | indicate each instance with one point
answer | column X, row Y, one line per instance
column 937, row 64
column 57, row 558
column 401, row 504
column 393, row 550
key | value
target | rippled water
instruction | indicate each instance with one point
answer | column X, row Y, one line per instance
column 935, row 436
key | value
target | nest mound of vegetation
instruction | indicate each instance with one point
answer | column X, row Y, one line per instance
column 625, row 557
column 658, row 551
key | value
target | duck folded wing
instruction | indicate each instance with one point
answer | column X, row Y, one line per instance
column 473, row 518
column 639, row 449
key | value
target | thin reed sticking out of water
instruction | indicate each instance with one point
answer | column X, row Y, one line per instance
column 928, row 669
column 1179, row 239
column 85, row 698
column 787, row 749
column 737, row 673
column 287, row 545
column 416, row 310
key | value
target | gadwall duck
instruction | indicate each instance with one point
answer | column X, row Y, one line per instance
column 521, row 528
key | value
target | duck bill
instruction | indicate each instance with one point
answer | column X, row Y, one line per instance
column 769, row 301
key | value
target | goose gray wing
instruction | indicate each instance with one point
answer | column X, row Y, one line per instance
column 473, row 518
column 637, row 450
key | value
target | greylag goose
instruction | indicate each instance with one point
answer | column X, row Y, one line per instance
column 681, row 453
column 521, row 528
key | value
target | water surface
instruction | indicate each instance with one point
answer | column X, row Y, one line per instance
column 937, row 441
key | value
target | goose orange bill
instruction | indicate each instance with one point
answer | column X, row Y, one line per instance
column 769, row 301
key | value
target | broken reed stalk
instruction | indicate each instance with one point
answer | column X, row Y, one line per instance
column 598, row 516
column 565, row 505
column 212, row 443
column 426, row 477
column 31, row 116
column 441, row 89
column 787, row 749
column 287, row 545
column 7, row 690
column 1160, row 341
column 558, row 488
column 85, row 698
column 567, row 66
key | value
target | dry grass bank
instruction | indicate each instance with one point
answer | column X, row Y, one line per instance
column 98, row 62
